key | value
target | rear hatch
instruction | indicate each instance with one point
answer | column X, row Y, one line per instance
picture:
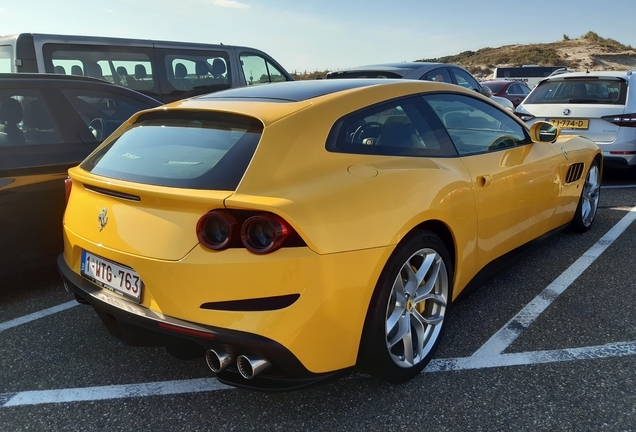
column 579, row 104
column 144, row 191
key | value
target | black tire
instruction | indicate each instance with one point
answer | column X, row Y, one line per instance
column 588, row 202
column 384, row 351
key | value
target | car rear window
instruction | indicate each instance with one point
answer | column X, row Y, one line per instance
column 193, row 150
column 610, row 91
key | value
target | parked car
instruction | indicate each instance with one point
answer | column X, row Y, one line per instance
column 598, row 105
column 165, row 70
column 514, row 91
column 48, row 123
column 296, row 231
column 437, row 72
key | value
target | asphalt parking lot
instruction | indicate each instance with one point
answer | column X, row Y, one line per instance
column 548, row 344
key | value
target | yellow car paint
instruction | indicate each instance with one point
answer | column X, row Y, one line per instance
column 351, row 210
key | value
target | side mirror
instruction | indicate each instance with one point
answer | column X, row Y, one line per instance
column 544, row 132
column 485, row 90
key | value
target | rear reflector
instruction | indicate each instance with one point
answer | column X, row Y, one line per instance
column 623, row 152
column 185, row 330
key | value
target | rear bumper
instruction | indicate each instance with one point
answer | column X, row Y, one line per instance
column 138, row 325
column 621, row 162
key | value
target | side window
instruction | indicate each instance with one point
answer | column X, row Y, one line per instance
column 125, row 66
column 259, row 71
column 6, row 59
column 102, row 111
column 438, row 75
column 198, row 72
column 475, row 126
column 25, row 119
column 465, row 79
column 406, row 127
column 513, row 89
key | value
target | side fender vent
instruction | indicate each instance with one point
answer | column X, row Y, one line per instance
column 574, row 172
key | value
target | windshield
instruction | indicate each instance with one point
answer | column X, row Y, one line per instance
column 194, row 150
column 611, row 91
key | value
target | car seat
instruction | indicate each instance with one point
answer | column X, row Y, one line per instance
column 10, row 115
column 38, row 125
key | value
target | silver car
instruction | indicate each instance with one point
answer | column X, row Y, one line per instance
column 598, row 105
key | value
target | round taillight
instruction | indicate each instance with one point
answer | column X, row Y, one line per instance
column 264, row 233
column 216, row 229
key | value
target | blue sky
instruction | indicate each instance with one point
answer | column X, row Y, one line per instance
column 329, row 34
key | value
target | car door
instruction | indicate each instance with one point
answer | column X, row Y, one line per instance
column 515, row 181
column 59, row 124
column 32, row 173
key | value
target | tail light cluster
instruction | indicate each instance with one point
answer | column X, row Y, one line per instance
column 259, row 232
column 524, row 116
column 628, row 120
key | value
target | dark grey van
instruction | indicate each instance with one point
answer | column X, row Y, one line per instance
column 166, row 71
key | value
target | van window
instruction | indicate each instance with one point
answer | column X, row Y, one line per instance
column 126, row 66
column 6, row 54
column 258, row 71
column 196, row 72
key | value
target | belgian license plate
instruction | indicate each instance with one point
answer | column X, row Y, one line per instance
column 571, row 123
column 110, row 275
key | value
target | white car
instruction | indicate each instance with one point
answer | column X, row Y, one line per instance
column 598, row 105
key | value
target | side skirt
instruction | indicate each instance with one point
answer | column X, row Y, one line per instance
column 503, row 262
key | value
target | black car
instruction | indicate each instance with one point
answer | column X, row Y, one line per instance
column 49, row 123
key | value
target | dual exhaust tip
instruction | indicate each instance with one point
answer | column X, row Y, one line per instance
column 248, row 366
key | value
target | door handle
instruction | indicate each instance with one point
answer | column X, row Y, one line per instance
column 484, row 180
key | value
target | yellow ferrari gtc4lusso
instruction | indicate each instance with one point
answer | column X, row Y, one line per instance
column 292, row 232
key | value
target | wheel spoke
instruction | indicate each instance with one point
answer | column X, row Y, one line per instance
column 393, row 319
column 420, row 276
column 407, row 341
column 437, row 298
column 423, row 291
column 403, row 331
column 432, row 320
column 420, row 331
column 398, row 287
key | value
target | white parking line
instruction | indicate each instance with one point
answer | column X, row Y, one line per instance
column 488, row 356
column 629, row 186
column 619, row 349
column 509, row 332
column 111, row 392
column 37, row 315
